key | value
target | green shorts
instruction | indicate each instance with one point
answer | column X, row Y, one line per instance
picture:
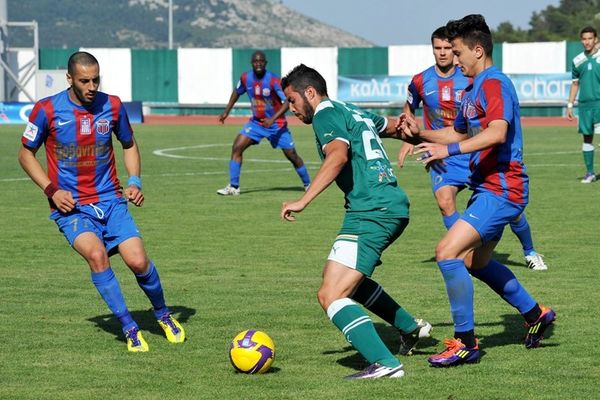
column 363, row 238
column 589, row 121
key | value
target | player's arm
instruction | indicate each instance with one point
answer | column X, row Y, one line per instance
column 63, row 199
column 232, row 100
column 406, row 148
column 133, row 166
column 493, row 135
column 336, row 156
column 572, row 94
column 282, row 110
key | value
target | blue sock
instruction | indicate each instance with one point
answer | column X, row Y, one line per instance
column 150, row 284
column 460, row 293
column 502, row 281
column 521, row 228
column 234, row 173
column 303, row 174
column 108, row 286
column 449, row 220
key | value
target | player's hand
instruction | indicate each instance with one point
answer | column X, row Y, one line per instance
column 570, row 113
column 430, row 152
column 408, row 126
column 134, row 195
column 63, row 200
column 223, row 117
column 405, row 150
column 267, row 122
column 290, row 207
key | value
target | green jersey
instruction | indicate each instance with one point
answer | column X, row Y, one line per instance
column 586, row 69
column 367, row 179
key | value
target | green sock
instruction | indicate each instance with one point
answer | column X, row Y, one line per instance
column 371, row 295
column 588, row 159
column 359, row 331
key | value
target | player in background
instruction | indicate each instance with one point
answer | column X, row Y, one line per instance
column 440, row 88
column 585, row 71
column 349, row 144
column 87, row 202
column 268, row 121
column 488, row 127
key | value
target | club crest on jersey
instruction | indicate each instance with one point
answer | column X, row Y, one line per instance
column 103, row 126
column 470, row 110
column 85, row 127
column 458, row 95
column 257, row 90
column 266, row 92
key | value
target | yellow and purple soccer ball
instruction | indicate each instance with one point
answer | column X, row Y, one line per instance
column 252, row 352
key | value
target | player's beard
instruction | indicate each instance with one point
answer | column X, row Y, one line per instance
column 307, row 111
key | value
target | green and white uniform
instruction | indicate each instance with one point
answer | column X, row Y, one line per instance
column 586, row 70
column 376, row 207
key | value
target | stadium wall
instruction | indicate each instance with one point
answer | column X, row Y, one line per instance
column 194, row 78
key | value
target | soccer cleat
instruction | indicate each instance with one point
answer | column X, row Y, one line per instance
column 456, row 353
column 408, row 341
column 135, row 341
column 536, row 262
column 375, row 371
column 535, row 331
column 173, row 330
column 229, row 191
column 589, row 177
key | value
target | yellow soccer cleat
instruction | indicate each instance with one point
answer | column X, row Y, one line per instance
column 135, row 341
column 173, row 329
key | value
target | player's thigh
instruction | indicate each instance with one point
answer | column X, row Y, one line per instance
column 446, row 198
column 482, row 255
column 489, row 214
column 282, row 139
column 120, row 225
column 460, row 240
column 339, row 281
column 76, row 223
column 133, row 253
column 253, row 133
column 363, row 238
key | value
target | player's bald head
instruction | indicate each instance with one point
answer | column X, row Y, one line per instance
column 81, row 58
column 258, row 54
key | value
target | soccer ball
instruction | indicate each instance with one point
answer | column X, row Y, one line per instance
column 252, row 352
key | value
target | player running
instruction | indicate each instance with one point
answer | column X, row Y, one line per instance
column 376, row 215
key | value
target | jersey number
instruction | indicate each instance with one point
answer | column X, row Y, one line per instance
column 370, row 138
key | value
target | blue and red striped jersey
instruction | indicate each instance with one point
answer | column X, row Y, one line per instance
column 266, row 95
column 499, row 169
column 441, row 96
column 78, row 142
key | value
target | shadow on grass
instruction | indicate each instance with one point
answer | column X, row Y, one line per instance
column 145, row 319
column 513, row 333
column 503, row 258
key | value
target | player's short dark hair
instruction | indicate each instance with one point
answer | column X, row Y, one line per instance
column 257, row 53
column 473, row 30
column 588, row 29
column 440, row 33
column 80, row 58
column 302, row 77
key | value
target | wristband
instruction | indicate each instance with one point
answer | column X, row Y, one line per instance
column 569, row 105
column 50, row 190
column 454, row 149
column 135, row 181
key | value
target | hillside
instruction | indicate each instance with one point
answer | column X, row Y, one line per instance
column 196, row 23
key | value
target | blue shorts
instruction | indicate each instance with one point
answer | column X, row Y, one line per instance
column 280, row 138
column 489, row 214
column 109, row 220
column 457, row 173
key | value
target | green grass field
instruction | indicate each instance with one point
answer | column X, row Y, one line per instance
column 229, row 264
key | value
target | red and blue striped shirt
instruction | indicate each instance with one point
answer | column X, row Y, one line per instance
column 266, row 95
column 78, row 141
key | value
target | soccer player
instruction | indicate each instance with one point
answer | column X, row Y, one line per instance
column 349, row 144
column 84, row 192
column 586, row 79
column 268, row 121
column 440, row 88
column 488, row 127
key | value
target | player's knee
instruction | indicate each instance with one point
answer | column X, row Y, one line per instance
column 325, row 297
column 97, row 258
column 138, row 264
column 443, row 252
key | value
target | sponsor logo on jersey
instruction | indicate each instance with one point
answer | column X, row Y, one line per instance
column 103, row 126
column 458, row 95
column 266, row 92
column 257, row 90
column 31, row 131
column 85, row 126
column 446, row 94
